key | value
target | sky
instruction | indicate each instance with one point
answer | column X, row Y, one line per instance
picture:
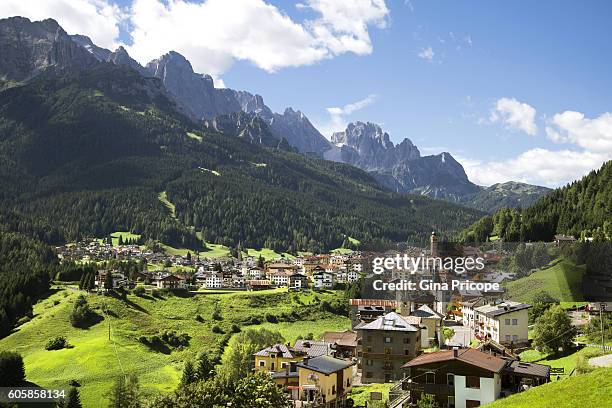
column 514, row 90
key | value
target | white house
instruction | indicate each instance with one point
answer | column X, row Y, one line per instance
column 506, row 322
column 213, row 280
column 323, row 280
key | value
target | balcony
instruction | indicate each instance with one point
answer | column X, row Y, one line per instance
column 436, row 389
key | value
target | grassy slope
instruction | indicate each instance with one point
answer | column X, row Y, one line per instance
column 361, row 394
column 568, row 362
column 93, row 361
column 562, row 281
column 589, row 391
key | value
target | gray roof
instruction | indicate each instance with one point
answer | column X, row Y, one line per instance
column 283, row 350
column 313, row 348
column 501, row 308
column 325, row 364
column 391, row 322
column 532, row 369
column 426, row 311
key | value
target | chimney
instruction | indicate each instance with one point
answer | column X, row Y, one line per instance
column 305, row 360
column 455, row 352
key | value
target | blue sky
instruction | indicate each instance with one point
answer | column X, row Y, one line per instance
column 515, row 90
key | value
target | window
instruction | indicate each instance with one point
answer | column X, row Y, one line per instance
column 369, row 349
column 388, row 365
column 406, row 340
column 348, row 382
column 283, row 365
column 262, row 363
column 507, row 337
column 369, row 362
column 514, row 322
column 430, row 378
column 333, row 390
column 514, row 337
column 369, row 338
column 406, row 352
column 388, row 350
column 368, row 374
column 451, row 401
column 388, row 340
column 507, row 322
column 471, row 381
column 472, row 403
column 450, row 379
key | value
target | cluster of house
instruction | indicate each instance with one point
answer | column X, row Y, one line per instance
column 388, row 342
column 97, row 250
column 322, row 271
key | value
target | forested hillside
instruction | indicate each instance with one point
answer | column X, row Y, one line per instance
column 88, row 153
column 582, row 208
column 26, row 267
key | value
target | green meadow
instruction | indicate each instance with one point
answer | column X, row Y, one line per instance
column 592, row 390
column 562, row 281
column 95, row 361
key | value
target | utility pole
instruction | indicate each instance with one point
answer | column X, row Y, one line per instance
column 601, row 307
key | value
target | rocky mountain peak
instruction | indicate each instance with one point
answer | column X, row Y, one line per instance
column 31, row 47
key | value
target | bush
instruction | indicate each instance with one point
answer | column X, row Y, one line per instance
column 217, row 329
column 139, row 291
column 12, row 370
column 235, row 328
column 82, row 316
column 156, row 293
column 270, row 318
column 57, row 343
column 216, row 315
column 199, row 319
column 175, row 340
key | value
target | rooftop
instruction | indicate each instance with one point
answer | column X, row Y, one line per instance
column 392, row 322
column 325, row 364
column 469, row 356
column 280, row 349
column 501, row 308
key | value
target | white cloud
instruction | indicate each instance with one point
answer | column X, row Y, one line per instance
column 536, row 166
column 215, row 33
column 515, row 114
column 337, row 115
column 427, row 54
column 343, row 25
column 594, row 135
column 98, row 19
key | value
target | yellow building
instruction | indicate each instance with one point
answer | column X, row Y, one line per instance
column 325, row 380
column 277, row 358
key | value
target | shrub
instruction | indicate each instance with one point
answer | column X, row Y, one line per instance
column 199, row 318
column 175, row 340
column 235, row 328
column 271, row 318
column 139, row 291
column 82, row 316
column 12, row 370
column 217, row 329
column 217, row 315
column 156, row 293
column 57, row 343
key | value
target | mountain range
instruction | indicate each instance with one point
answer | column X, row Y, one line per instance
column 90, row 146
column 30, row 49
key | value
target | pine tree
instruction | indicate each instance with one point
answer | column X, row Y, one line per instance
column 189, row 374
column 108, row 282
column 74, row 399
